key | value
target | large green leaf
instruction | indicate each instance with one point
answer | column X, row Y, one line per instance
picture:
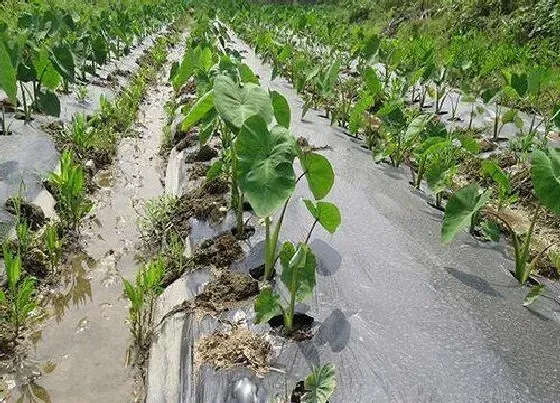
column 281, row 109
column 357, row 112
column 319, row 174
column 7, row 74
column 235, row 103
column 247, row 75
column 298, row 275
column 198, row 111
column 373, row 83
column 46, row 73
column 184, row 72
column 320, row 384
column 267, row 305
column 266, row 173
column 327, row 214
column 460, row 209
column 63, row 61
column 49, row 104
column 545, row 173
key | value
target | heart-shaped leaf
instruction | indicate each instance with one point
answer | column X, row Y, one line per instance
column 319, row 174
column 545, row 173
column 267, row 305
column 63, row 61
column 48, row 103
column 281, row 109
column 235, row 103
column 460, row 209
column 327, row 214
column 266, row 173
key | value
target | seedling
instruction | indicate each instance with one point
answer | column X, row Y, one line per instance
column 82, row 93
column 69, row 185
column 142, row 297
column 53, row 245
column 298, row 275
column 18, row 297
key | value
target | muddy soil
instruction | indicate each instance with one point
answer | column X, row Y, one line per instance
column 81, row 352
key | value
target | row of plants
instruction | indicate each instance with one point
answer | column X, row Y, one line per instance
column 383, row 100
column 33, row 257
column 251, row 127
column 45, row 48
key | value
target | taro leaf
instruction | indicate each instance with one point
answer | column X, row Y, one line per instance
column 494, row 171
column 205, row 59
column 357, row 112
column 417, row 126
column 535, row 293
column 63, row 61
column 372, row 81
column 509, row 116
column 281, row 109
column 185, row 70
column 519, row 83
column 470, row 144
column 319, row 174
column 235, row 104
column 327, row 214
column 7, row 74
column 331, row 76
column 545, row 173
column 266, row 172
column 299, row 274
column 46, row 73
column 247, row 75
column 207, row 129
column 488, row 94
column 198, row 111
column 26, row 72
column 100, row 49
column 49, row 104
column 214, row 171
column 267, row 305
column 460, row 209
column 371, row 47
column 320, row 384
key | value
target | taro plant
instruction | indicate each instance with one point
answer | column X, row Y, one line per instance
column 18, row 298
column 142, row 296
column 298, row 276
column 70, row 191
column 466, row 204
column 502, row 181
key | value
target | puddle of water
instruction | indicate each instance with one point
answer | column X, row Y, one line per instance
column 80, row 353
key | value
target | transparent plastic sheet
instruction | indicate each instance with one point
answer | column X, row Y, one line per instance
column 402, row 317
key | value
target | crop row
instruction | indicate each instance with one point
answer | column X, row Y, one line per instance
column 392, row 95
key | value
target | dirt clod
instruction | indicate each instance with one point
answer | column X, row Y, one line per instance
column 233, row 348
column 32, row 213
column 225, row 291
column 204, row 154
column 220, row 251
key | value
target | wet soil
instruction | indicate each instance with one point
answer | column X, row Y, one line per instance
column 81, row 351
column 203, row 154
column 236, row 347
column 205, row 202
column 226, row 291
column 221, row 251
